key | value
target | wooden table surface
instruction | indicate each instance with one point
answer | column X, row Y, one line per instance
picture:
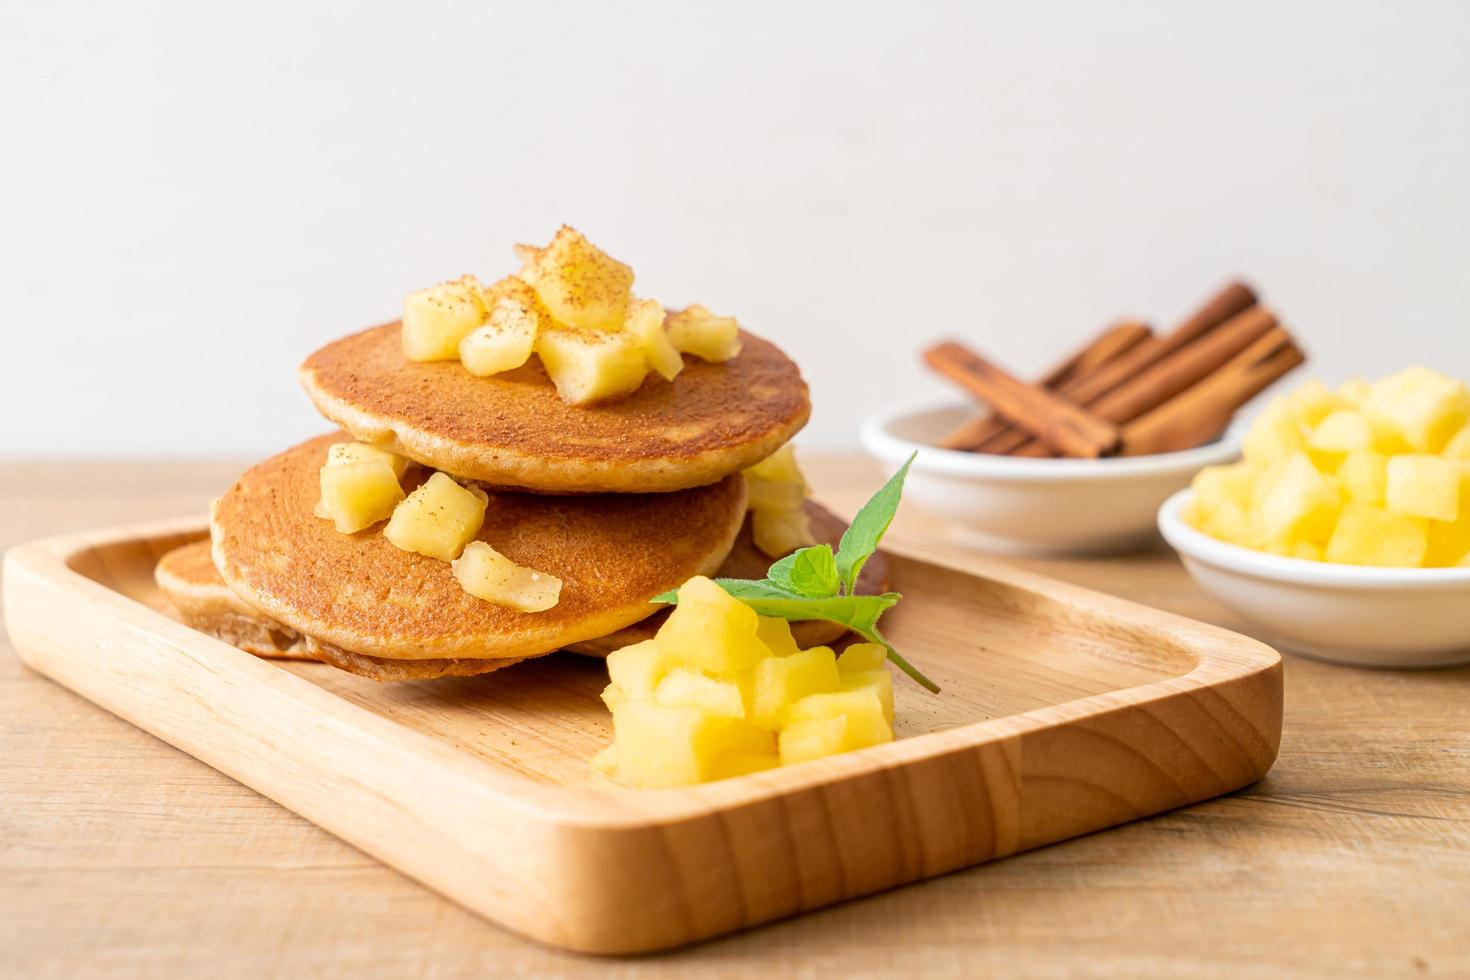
column 122, row 856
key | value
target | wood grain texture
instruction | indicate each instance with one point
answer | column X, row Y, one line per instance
column 123, row 856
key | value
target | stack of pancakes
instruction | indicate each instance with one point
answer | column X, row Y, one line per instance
column 620, row 501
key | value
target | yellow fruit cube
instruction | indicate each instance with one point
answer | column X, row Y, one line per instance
column 1313, row 402
column 863, row 708
column 1458, row 448
column 735, row 762
column 659, row 745
column 613, row 696
column 339, row 453
column 436, row 319
column 1356, row 391
column 862, row 657
column 1343, row 431
column 1299, row 505
column 814, row 739
column 358, row 495
column 1305, row 550
column 1423, row 486
column 486, row 573
column 682, row 687
column 1369, row 535
column 637, row 669
column 589, row 366
column 695, row 330
column 506, row 341
column 1449, row 542
column 775, row 633
column 1222, row 501
column 1363, row 476
column 711, row 631
column 779, row 467
column 782, row 681
column 438, row 519
column 579, row 283
column 764, row 495
column 645, row 321
column 1274, row 435
column 879, row 680
column 779, row 533
column 1425, row 406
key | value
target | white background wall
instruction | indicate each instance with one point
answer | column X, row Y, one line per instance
column 194, row 197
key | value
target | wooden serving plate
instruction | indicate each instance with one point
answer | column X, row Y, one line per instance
column 1063, row 712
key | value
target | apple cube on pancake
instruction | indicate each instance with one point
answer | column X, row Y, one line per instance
column 436, row 319
column 358, row 495
column 340, row 453
column 592, row 366
column 1369, row 535
column 503, row 343
column 580, row 284
column 695, row 330
column 438, row 519
column 487, row 574
column 646, row 322
column 779, row 533
column 763, row 495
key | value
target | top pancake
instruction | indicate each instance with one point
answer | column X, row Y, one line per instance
column 512, row 430
column 361, row 593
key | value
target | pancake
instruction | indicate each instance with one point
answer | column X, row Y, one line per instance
column 362, row 595
column 747, row 561
column 512, row 430
column 189, row 579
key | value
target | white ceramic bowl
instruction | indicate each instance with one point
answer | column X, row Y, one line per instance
column 1351, row 614
column 1031, row 506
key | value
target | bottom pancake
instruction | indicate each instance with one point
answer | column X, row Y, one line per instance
column 747, row 561
column 188, row 578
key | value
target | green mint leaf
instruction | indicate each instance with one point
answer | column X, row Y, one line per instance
column 811, row 572
column 861, row 538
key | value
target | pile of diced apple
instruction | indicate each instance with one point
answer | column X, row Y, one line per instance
column 776, row 494
column 571, row 304
column 1368, row 474
column 361, row 486
column 721, row 692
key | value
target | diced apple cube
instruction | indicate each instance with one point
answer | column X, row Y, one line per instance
column 1300, row 505
column 1369, row 535
column 814, row 739
column 879, row 680
column 779, row 467
column 646, row 322
column 358, row 495
column 613, row 696
column 863, row 708
column 339, row 453
column 682, row 687
column 768, row 496
column 436, row 319
column 637, row 669
column 781, row 681
column 695, row 330
column 862, row 657
column 660, row 746
column 1343, row 431
column 1426, row 407
column 1423, row 486
column 1274, row 435
column 486, row 573
column 712, row 631
column 1458, row 448
column 579, row 283
column 1313, row 402
column 589, row 366
column 438, row 519
column 779, row 533
column 775, row 633
column 506, row 341
column 1363, row 476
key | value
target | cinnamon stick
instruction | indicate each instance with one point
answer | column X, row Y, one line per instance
column 1049, row 417
column 1112, row 342
column 1200, row 413
column 1184, row 368
column 1233, row 299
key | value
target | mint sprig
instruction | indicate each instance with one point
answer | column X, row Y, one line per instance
column 814, row 583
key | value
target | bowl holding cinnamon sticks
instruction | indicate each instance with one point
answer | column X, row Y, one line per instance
column 1080, row 459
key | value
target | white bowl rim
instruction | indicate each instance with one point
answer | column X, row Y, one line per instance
column 881, row 442
column 1193, row 543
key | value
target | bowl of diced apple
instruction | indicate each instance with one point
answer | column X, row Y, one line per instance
column 1017, row 505
column 1344, row 533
